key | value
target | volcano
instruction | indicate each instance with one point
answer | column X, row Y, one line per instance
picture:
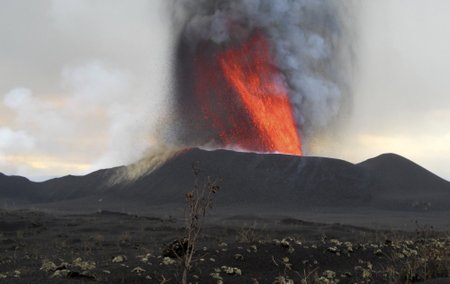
column 249, row 182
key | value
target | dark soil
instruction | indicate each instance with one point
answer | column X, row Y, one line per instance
column 111, row 247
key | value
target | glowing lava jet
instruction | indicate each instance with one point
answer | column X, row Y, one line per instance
column 260, row 88
column 242, row 95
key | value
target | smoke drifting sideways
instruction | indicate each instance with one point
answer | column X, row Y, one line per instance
column 311, row 52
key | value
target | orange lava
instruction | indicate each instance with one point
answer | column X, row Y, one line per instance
column 248, row 69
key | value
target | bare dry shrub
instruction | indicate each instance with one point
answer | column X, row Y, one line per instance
column 248, row 235
column 198, row 201
column 420, row 260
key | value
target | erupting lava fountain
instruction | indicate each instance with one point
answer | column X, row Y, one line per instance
column 258, row 76
column 256, row 113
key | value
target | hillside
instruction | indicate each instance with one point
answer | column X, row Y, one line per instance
column 249, row 180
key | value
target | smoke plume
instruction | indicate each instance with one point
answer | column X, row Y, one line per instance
column 310, row 45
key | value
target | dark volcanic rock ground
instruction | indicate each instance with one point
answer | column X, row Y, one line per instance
column 110, row 247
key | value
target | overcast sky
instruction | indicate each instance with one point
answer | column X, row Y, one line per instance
column 86, row 84
column 402, row 89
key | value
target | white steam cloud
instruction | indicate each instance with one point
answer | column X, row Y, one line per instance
column 96, row 103
column 15, row 141
column 83, row 85
column 310, row 40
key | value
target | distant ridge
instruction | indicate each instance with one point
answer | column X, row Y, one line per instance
column 399, row 178
column 249, row 180
column 397, row 168
column 18, row 188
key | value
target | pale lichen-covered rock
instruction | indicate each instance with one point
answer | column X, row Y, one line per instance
column 334, row 250
column 168, row 261
column 348, row 247
column 145, row 258
column 329, row 274
column 138, row 270
column 48, row 266
column 366, row 273
column 231, row 270
column 285, row 244
column 84, row 265
column 217, row 277
column 61, row 273
column 335, row 242
column 119, row 259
